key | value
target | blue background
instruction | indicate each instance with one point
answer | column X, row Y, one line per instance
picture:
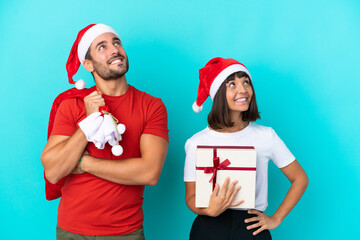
column 304, row 58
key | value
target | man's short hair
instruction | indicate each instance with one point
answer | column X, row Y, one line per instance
column 88, row 55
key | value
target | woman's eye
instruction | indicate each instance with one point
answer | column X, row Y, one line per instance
column 246, row 82
column 231, row 84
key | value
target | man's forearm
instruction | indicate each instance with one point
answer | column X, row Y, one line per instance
column 130, row 171
column 61, row 154
column 145, row 170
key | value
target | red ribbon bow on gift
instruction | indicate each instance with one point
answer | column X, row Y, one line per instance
column 216, row 167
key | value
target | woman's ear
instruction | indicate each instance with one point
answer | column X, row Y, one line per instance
column 88, row 65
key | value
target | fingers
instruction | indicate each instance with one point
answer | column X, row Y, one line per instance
column 224, row 187
column 93, row 102
column 260, row 230
column 93, row 94
column 230, row 191
column 216, row 191
column 234, row 191
column 237, row 203
column 255, row 225
column 93, row 97
column 259, row 224
column 253, row 219
column 254, row 212
column 262, row 222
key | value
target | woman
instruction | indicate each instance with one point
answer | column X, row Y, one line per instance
column 231, row 123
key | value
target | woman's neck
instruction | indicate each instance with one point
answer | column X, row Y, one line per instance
column 238, row 126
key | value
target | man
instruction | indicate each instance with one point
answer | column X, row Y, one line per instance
column 103, row 194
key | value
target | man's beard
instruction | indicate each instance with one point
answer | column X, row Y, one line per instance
column 110, row 74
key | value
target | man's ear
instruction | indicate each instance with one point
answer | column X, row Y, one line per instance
column 88, row 65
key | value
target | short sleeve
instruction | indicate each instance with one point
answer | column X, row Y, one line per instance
column 156, row 120
column 190, row 162
column 65, row 122
column 280, row 154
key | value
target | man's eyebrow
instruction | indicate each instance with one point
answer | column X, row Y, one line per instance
column 115, row 39
column 102, row 42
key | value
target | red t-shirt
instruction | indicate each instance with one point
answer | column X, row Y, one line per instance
column 93, row 206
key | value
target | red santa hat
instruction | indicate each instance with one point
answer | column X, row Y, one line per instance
column 213, row 75
column 80, row 47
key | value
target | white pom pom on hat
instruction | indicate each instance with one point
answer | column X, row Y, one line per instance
column 213, row 75
column 80, row 84
column 197, row 108
column 80, row 47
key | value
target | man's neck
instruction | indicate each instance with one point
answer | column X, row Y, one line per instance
column 116, row 87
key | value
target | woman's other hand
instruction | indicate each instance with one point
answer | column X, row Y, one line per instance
column 262, row 221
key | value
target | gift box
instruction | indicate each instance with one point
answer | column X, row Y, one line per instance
column 215, row 163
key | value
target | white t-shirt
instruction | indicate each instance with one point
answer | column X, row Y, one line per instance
column 266, row 142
